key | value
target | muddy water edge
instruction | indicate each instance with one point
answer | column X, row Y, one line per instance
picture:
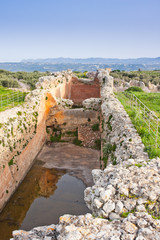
column 54, row 186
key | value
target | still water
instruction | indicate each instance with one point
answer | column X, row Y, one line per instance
column 47, row 192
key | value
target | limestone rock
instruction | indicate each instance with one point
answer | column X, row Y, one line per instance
column 92, row 103
column 119, row 207
column 130, row 227
column 109, row 207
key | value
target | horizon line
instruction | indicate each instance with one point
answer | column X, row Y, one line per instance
column 33, row 59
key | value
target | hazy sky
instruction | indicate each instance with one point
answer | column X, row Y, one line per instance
column 79, row 29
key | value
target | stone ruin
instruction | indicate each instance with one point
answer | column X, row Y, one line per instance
column 125, row 197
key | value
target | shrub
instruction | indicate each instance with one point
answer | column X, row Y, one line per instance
column 98, row 144
column 77, row 142
column 134, row 89
column 95, row 127
column 55, row 138
column 152, row 101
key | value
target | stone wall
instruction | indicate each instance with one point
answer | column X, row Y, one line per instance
column 82, row 89
column 70, row 124
column 129, row 186
column 23, row 131
column 59, row 84
column 71, row 118
column 118, row 130
column 22, row 138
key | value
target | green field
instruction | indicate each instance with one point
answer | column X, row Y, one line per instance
column 152, row 101
column 10, row 98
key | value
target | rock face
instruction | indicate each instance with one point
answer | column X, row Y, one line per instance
column 153, row 87
column 137, row 83
column 121, row 85
column 125, row 197
column 91, row 75
column 45, row 232
column 92, row 103
column 137, row 226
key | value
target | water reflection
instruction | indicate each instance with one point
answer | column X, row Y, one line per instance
column 39, row 182
column 48, row 191
column 43, row 196
column 67, row 199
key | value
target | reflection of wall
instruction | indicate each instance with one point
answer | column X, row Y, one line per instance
column 38, row 182
column 47, row 183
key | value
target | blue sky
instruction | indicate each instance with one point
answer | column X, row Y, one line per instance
column 79, row 29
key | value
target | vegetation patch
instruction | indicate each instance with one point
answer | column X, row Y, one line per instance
column 81, row 74
column 138, row 165
column 10, row 98
column 144, row 76
column 74, row 106
column 19, row 113
column 55, row 138
column 95, row 127
column 125, row 214
column 47, row 130
column 109, row 123
column 77, row 142
column 98, row 144
column 152, row 207
column 72, row 133
column 134, row 89
column 10, row 79
column 10, row 163
column 151, row 100
column 108, row 151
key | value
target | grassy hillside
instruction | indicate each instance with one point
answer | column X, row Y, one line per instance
column 9, row 98
column 152, row 100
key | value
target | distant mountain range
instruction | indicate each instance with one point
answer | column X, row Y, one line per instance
column 95, row 60
column 80, row 64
